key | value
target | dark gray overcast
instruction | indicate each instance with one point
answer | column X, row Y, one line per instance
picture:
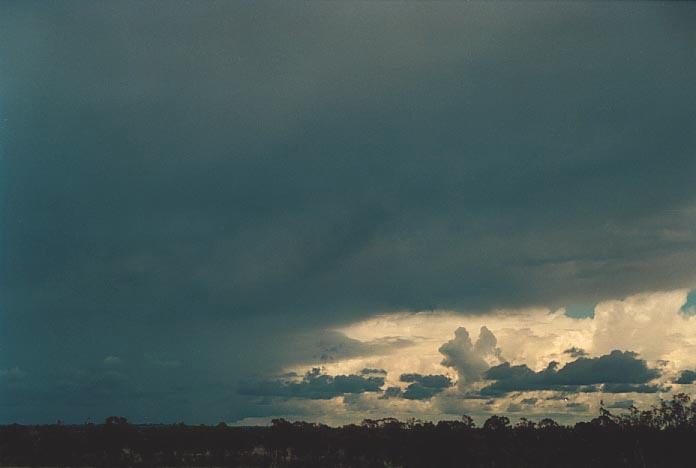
column 188, row 187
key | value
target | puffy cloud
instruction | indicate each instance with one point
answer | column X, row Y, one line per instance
column 529, row 339
column 618, row 371
column 652, row 324
column 424, row 387
column 505, row 371
column 615, row 367
column 432, row 381
column 314, row 385
column 417, row 391
column 391, row 392
column 530, row 336
column 469, row 360
column 686, row 377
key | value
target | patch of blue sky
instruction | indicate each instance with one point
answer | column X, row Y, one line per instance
column 580, row 311
column 689, row 307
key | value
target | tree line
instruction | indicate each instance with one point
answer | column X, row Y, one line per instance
column 662, row 436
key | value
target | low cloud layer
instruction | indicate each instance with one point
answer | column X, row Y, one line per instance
column 620, row 371
column 424, row 387
column 686, row 377
column 314, row 385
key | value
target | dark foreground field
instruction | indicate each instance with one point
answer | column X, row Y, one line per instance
column 662, row 436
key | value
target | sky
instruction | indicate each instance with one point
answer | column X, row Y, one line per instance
column 331, row 211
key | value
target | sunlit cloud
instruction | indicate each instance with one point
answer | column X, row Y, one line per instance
column 530, row 362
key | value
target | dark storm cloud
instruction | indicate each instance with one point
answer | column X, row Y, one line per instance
column 314, row 385
column 619, row 371
column 95, row 392
column 417, row 391
column 222, row 175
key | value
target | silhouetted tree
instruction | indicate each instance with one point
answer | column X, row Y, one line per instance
column 660, row 436
column 496, row 423
column 468, row 421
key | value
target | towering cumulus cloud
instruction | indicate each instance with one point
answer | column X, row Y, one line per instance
column 469, row 360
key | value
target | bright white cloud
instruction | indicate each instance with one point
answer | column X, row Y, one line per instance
column 651, row 324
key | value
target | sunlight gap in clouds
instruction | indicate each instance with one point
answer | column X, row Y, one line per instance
column 654, row 325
